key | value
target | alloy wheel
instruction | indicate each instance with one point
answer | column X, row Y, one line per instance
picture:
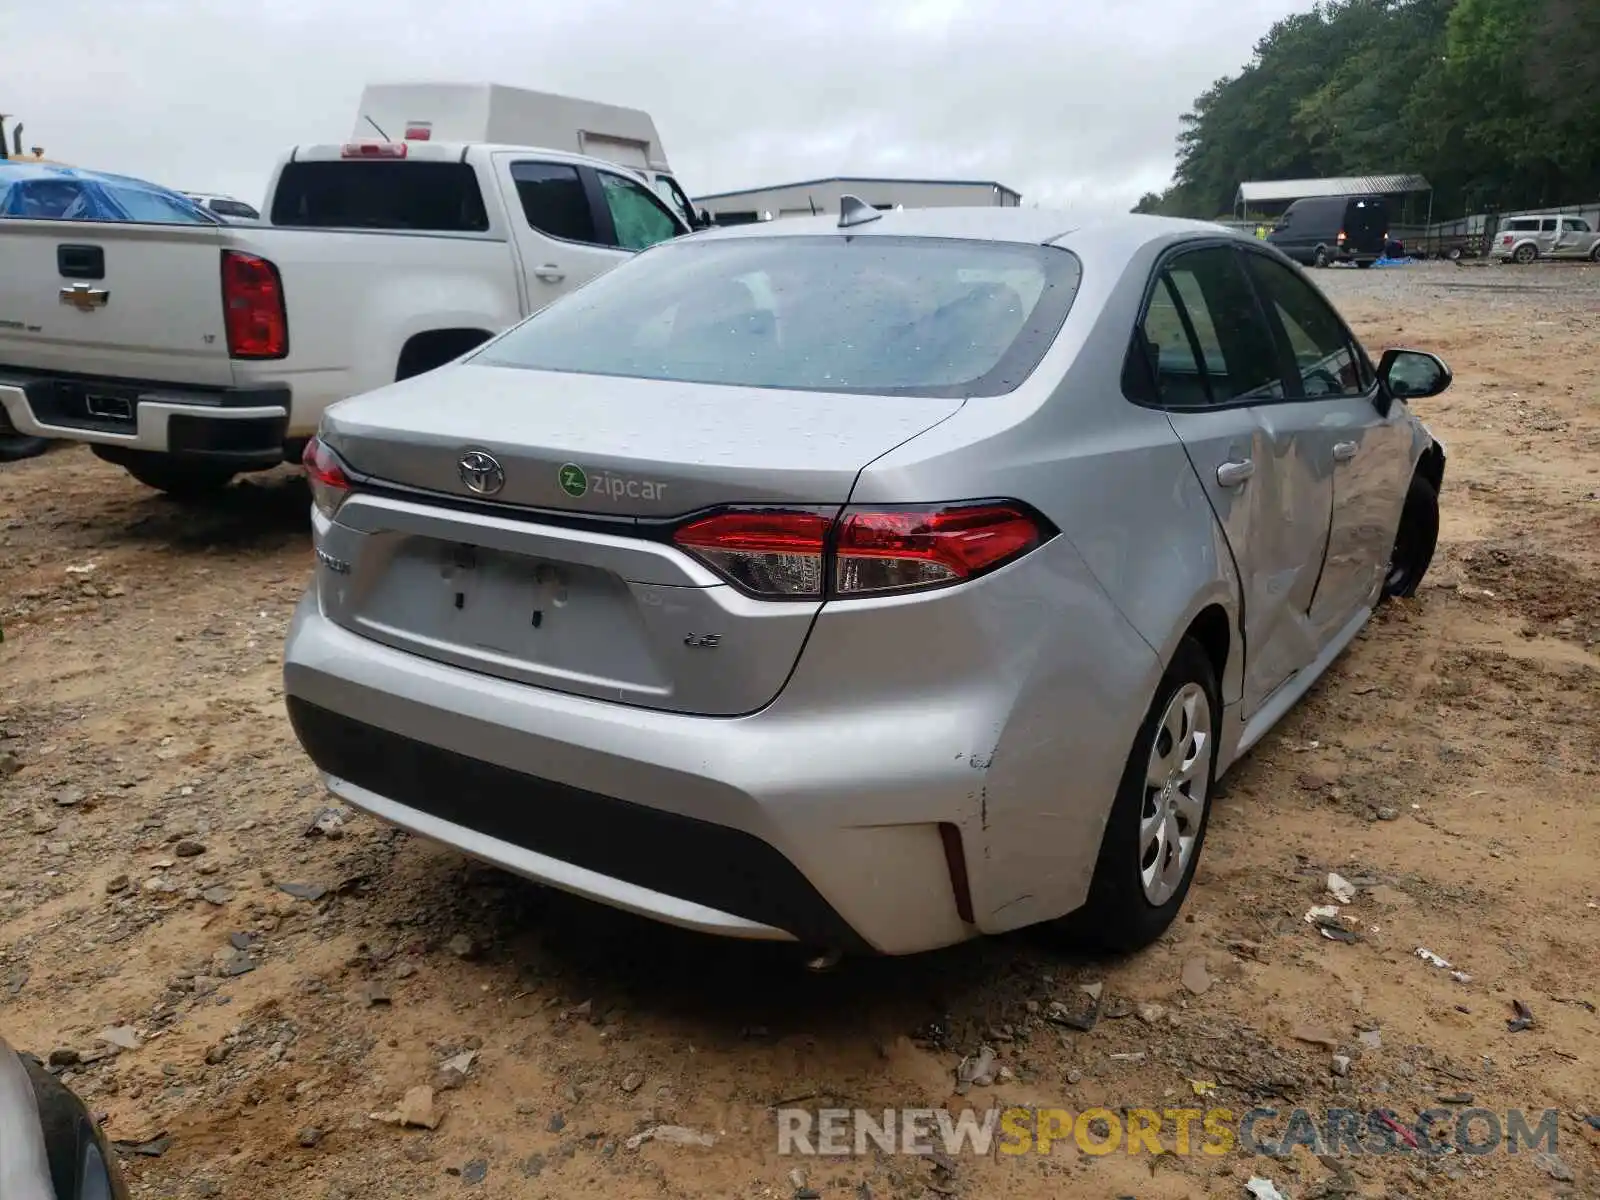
column 1175, row 786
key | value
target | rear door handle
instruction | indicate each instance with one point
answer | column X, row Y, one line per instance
column 1344, row 451
column 550, row 273
column 1234, row 474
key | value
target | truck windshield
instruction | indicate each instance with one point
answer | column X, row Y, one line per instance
column 667, row 188
column 880, row 314
column 430, row 197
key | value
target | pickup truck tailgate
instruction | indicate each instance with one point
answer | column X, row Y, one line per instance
column 133, row 301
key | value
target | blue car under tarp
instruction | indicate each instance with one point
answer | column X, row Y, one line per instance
column 45, row 192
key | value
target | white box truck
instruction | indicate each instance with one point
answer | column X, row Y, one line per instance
column 495, row 113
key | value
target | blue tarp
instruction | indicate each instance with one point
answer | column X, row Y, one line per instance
column 45, row 192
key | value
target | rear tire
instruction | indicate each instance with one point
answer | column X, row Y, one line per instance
column 1454, row 254
column 1320, row 258
column 1594, row 255
column 81, row 1162
column 1415, row 540
column 178, row 478
column 1156, row 830
column 1525, row 254
column 14, row 446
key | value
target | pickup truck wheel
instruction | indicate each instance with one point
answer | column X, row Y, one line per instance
column 178, row 479
column 16, row 446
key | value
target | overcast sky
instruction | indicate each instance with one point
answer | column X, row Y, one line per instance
column 1074, row 105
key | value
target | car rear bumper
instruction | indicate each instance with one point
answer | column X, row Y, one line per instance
column 244, row 426
column 778, row 826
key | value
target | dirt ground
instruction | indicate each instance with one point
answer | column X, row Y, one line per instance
column 154, row 806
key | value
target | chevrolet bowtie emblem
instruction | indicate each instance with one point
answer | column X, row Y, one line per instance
column 85, row 298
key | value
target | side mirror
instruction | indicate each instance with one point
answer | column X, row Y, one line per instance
column 1413, row 374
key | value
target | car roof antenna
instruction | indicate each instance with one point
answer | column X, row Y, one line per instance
column 853, row 210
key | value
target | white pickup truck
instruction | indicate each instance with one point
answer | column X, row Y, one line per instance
column 190, row 353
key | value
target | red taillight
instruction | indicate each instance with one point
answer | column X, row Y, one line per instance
column 896, row 551
column 373, row 150
column 325, row 473
column 794, row 554
column 1340, row 238
column 252, row 307
column 776, row 553
column 1506, row 240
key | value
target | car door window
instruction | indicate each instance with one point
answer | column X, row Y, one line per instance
column 1548, row 225
column 554, row 201
column 641, row 220
column 1204, row 334
column 1324, row 356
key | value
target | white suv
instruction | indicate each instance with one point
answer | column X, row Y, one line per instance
column 1546, row 235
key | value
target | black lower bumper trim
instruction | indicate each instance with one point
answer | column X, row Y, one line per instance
column 243, row 436
column 100, row 405
column 699, row 861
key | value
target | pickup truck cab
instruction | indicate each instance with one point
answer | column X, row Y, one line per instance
column 189, row 353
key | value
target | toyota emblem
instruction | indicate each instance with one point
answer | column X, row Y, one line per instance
column 481, row 472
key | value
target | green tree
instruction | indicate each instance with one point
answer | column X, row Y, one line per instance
column 1497, row 102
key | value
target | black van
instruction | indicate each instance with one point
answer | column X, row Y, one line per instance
column 1330, row 229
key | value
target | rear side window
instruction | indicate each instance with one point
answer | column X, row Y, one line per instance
column 1522, row 225
column 431, row 197
column 554, row 201
column 1548, row 225
column 870, row 314
column 1204, row 335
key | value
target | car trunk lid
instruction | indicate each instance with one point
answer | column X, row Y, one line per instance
column 565, row 576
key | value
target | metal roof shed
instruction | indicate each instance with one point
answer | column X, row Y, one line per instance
column 1283, row 191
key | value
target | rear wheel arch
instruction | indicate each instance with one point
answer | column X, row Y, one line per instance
column 1212, row 630
column 434, row 347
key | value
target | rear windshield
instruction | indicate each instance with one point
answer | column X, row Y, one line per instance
column 1367, row 215
column 880, row 314
column 434, row 197
column 234, row 208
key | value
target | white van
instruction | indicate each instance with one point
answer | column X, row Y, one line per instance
column 1546, row 235
column 492, row 112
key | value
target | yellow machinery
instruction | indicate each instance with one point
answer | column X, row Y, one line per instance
column 13, row 153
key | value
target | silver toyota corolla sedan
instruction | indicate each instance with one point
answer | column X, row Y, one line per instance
column 872, row 581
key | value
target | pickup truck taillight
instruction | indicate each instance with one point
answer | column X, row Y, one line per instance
column 252, row 307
